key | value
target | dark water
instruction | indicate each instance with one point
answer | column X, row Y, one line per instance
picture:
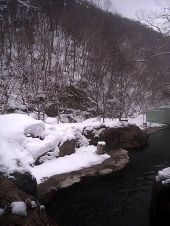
column 120, row 199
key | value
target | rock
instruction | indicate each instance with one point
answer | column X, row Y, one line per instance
column 67, row 148
column 93, row 134
column 129, row 136
column 25, row 182
column 81, row 140
column 12, row 202
column 159, row 211
column 48, row 195
column 49, row 155
column 52, row 110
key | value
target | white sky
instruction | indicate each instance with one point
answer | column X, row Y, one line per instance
column 128, row 8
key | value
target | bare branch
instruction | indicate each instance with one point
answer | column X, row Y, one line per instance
column 156, row 55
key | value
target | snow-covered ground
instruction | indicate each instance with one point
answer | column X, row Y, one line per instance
column 19, row 150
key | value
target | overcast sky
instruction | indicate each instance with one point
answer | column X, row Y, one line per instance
column 128, row 8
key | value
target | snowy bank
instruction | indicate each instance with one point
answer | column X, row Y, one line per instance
column 23, row 139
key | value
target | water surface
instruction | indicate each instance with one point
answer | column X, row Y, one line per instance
column 120, row 199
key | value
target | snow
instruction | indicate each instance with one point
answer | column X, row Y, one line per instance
column 51, row 120
column 2, row 211
column 83, row 157
column 42, row 207
column 164, row 176
column 23, row 139
column 102, row 143
column 19, row 208
column 33, row 204
column 35, row 129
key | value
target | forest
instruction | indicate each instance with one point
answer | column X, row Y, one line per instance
column 71, row 56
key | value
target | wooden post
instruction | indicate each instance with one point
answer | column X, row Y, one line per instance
column 100, row 147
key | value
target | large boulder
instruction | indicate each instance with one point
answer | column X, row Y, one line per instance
column 25, row 182
column 81, row 140
column 49, row 155
column 67, row 148
column 129, row 136
column 52, row 110
column 18, row 208
column 93, row 134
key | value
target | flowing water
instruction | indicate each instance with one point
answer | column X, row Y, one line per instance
column 120, row 199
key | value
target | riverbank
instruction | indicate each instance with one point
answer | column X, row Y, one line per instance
column 121, row 198
column 32, row 140
column 150, row 130
column 117, row 161
column 117, row 140
column 47, row 190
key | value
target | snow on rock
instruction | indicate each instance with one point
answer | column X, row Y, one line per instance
column 164, row 176
column 102, row 143
column 42, row 207
column 19, row 150
column 48, row 156
column 19, row 208
column 35, row 129
column 2, row 211
column 51, row 120
column 81, row 140
column 98, row 132
column 12, row 124
column 83, row 157
column 33, row 204
column 12, row 153
column 70, row 135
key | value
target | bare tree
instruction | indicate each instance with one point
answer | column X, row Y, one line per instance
column 159, row 20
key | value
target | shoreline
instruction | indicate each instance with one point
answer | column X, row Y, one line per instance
column 47, row 190
column 151, row 130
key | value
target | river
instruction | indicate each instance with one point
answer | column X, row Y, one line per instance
column 119, row 199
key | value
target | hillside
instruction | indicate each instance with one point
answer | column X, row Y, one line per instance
column 60, row 56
